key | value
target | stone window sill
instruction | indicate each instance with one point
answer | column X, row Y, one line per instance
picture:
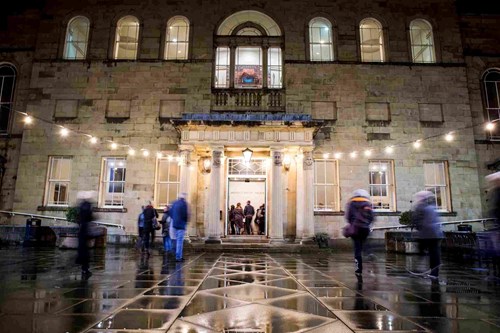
column 109, row 210
column 52, row 208
column 328, row 213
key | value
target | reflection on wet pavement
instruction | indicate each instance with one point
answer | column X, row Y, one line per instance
column 42, row 291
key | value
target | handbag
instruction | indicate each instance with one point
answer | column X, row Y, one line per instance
column 156, row 225
column 349, row 230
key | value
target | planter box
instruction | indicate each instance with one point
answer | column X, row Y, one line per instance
column 70, row 241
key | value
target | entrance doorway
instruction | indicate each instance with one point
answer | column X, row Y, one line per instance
column 247, row 182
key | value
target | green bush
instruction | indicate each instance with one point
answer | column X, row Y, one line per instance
column 72, row 214
column 405, row 218
column 321, row 237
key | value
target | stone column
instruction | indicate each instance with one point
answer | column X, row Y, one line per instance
column 299, row 204
column 213, row 209
column 308, row 166
column 276, row 223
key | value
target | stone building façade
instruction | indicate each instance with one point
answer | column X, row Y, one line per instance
column 359, row 94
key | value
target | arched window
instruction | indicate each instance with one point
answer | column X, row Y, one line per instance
column 127, row 38
column 422, row 42
column 77, row 38
column 320, row 40
column 248, row 63
column 491, row 90
column 7, row 85
column 177, row 42
column 371, row 41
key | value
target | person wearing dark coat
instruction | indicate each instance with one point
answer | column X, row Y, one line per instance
column 429, row 233
column 180, row 217
column 249, row 212
column 238, row 219
column 165, row 230
column 85, row 217
column 149, row 214
column 231, row 220
column 359, row 214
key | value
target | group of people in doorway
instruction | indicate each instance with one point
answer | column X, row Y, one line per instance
column 240, row 219
column 172, row 224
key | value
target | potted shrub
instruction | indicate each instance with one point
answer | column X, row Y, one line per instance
column 322, row 238
column 410, row 245
column 69, row 240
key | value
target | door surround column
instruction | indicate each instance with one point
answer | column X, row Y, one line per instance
column 276, row 224
column 214, row 201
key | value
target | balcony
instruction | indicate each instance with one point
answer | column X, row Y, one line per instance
column 248, row 100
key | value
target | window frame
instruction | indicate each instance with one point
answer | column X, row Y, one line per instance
column 104, row 183
column 335, row 185
column 170, row 22
column 390, row 185
column 382, row 44
column 170, row 159
column 49, row 181
column 67, row 42
column 432, row 45
column 329, row 43
column 446, row 186
column 8, row 105
column 116, row 41
column 495, row 134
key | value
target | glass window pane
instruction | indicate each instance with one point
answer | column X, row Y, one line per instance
column 248, row 68
column 173, row 190
column 320, row 172
column 222, row 67
column 162, row 194
column 174, row 174
column 429, row 174
column 492, row 95
column 320, row 198
column 330, row 172
column 330, row 198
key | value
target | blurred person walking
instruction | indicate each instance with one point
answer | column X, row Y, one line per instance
column 180, row 217
column 85, row 217
column 359, row 216
column 426, row 221
column 140, row 228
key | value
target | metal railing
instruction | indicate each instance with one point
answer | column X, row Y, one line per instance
column 57, row 218
column 483, row 221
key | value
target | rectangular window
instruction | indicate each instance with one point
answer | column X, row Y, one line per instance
column 168, row 179
column 382, row 192
column 274, row 68
column 58, row 181
column 436, row 181
column 326, row 185
column 113, row 181
column 222, row 67
column 248, row 68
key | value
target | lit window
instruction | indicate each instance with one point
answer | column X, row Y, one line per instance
column 58, row 181
column 7, row 85
column 422, row 42
column 371, row 41
column 113, row 181
column 222, row 67
column 168, row 173
column 177, row 42
column 382, row 193
column 320, row 40
column 274, row 71
column 127, row 38
column 436, row 181
column 248, row 68
column 491, row 91
column 326, row 188
column 77, row 38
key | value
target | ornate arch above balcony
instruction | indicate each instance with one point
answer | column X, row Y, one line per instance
column 227, row 27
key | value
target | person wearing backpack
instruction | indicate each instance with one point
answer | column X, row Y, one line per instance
column 359, row 216
column 165, row 230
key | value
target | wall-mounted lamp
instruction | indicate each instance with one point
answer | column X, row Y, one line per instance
column 247, row 155
column 207, row 165
column 286, row 162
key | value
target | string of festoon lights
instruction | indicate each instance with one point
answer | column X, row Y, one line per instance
column 64, row 132
column 448, row 136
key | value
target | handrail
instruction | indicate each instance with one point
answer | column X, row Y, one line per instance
column 483, row 221
column 57, row 218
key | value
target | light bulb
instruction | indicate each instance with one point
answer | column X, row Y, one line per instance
column 325, row 155
column 170, row 157
column 28, row 120
column 337, row 155
column 114, row 145
column 490, row 126
column 159, row 155
column 389, row 149
column 417, row 144
column 131, row 152
column 449, row 137
column 368, row 153
column 145, row 153
column 93, row 140
column 64, row 131
column 353, row 154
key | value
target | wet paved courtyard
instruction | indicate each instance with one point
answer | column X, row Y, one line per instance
column 42, row 291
